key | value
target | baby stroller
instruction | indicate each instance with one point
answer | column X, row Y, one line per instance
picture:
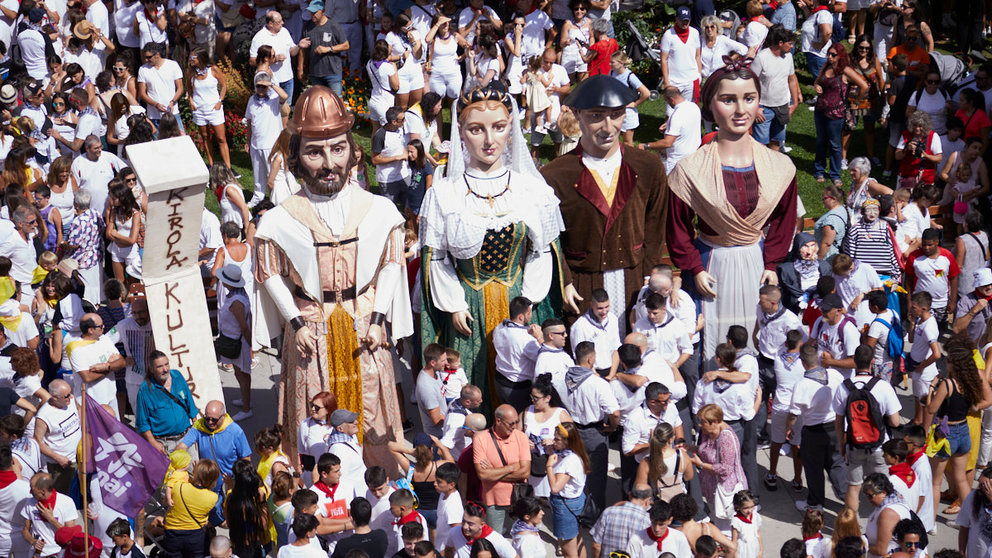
column 638, row 49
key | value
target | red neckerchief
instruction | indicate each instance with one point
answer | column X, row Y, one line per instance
column 149, row 16
column 7, row 478
column 819, row 9
column 773, row 5
column 684, row 35
column 746, row 519
column 412, row 516
column 449, row 371
column 816, row 536
column 755, row 18
column 486, row 531
column 328, row 491
column 50, row 502
column 913, row 457
column 904, row 472
column 660, row 540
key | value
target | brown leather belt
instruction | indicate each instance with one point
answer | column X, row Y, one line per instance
column 329, row 296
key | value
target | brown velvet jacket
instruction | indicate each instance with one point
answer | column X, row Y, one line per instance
column 627, row 235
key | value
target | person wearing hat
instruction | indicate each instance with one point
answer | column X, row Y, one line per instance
column 327, row 45
column 34, row 99
column 681, row 56
column 836, row 335
column 730, row 256
column 330, row 262
column 612, row 200
column 343, row 442
column 813, row 400
column 264, row 117
column 234, row 322
column 974, row 310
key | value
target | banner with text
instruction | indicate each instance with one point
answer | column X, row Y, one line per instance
column 175, row 178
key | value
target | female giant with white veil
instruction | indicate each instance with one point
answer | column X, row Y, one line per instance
column 489, row 233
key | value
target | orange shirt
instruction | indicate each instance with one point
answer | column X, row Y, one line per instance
column 917, row 57
column 515, row 448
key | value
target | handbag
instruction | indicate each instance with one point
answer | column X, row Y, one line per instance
column 227, row 347
column 520, row 489
column 960, row 206
column 538, row 465
column 723, row 501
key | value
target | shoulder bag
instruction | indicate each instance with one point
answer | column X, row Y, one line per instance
column 520, row 489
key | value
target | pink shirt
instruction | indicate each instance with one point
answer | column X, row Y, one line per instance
column 515, row 449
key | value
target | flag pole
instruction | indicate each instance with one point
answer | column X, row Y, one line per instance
column 83, row 478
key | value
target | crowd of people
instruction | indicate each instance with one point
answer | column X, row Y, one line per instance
column 657, row 300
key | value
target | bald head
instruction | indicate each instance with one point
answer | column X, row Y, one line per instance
column 638, row 339
column 91, row 326
column 506, row 419
column 213, row 414
column 476, row 421
column 660, row 283
column 61, row 393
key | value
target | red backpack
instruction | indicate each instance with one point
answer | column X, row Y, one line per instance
column 863, row 417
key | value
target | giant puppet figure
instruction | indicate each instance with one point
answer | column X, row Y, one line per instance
column 489, row 231
column 331, row 266
column 742, row 198
column 612, row 198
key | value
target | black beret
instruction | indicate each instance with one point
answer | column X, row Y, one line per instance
column 600, row 92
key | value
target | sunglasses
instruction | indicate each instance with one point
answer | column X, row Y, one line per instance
column 933, row 81
column 211, row 419
column 911, row 544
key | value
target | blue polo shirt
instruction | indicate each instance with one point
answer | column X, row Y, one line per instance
column 160, row 413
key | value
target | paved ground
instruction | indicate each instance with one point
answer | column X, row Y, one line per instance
column 782, row 521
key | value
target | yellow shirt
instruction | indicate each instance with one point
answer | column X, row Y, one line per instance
column 189, row 499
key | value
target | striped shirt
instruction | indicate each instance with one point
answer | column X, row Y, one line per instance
column 871, row 243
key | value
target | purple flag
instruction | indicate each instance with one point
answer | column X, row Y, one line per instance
column 128, row 468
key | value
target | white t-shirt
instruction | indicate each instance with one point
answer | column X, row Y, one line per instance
column 104, row 390
column 26, row 331
column 933, row 104
column 63, row 429
column 788, row 371
column 605, row 336
column 458, row 541
column 880, row 332
column 643, row 546
column 210, row 235
column 772, row 330
column 773, row 73
column 684, row 122
column 13, row 499
column 535, row 32
column 381, row 91
column 682, row 66
column 712, row 58
column 813, row 401
column 305, row 551
column 754, row 34
column 811, row 32
column 33, row 53
column 466, row 16
column 977, row 545
column 839, row 343
column 94, row 176
column 64, row 511
column 915, row 220
column 265, row 115
column 559, row 78
column 449, row 512
column 925, row 333
column 390, row 144
column 861, row 279
column 933, row 276
column 160, row 84
column 571, row 464
column 281, row 43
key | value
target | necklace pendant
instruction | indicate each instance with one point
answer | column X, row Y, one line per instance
column 491, row 201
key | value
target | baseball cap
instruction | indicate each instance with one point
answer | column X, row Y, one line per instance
column 423, row 439
column 64, row 535
column 36, row 15
column 830, row 302
column 32, row 87
column 983, row 277
column 343, row 416
column 316, row 6
column 683, row 13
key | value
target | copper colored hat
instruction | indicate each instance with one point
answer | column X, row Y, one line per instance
column 320, row 114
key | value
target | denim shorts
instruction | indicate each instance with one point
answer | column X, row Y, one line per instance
column 564, row 515
column 959, row 438
column 430, row 516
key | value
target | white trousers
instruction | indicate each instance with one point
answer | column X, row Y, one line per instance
column 260, row 170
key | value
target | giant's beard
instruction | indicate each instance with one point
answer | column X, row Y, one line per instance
column 326, row 181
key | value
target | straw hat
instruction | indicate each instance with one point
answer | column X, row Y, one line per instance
column 83, row 30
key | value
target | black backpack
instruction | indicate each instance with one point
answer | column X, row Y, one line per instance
column 864, row 422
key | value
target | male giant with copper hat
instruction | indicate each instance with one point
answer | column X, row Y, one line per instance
column 612, row 199
column 331, row 266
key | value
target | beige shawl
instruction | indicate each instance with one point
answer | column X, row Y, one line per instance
column 698, row 181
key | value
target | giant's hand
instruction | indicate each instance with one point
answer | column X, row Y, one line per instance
column 462, row 320
column 769, row 277
column 373, row 339
column 305, row 342
column 704, row 284
column 572, row 298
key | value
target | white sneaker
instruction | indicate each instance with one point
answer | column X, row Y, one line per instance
column 843, row 164
column 541, row 129
column 243, row 415
column 785, row 149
